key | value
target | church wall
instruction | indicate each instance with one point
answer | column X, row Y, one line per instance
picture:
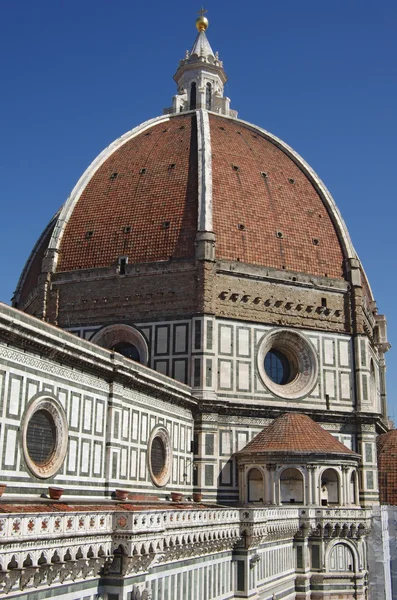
column 237, row 348
column 102, row 296
column 250, row 293
column 220, row 355
column 219, row 358
column 109, row 409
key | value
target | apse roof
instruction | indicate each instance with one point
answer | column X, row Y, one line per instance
column 295, row 433
column 387, row 467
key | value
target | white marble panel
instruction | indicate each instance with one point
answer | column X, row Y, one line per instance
column 144, row 428
column 72, row 456
column 345, row 386
column 242, row 440
column 135, row 418
column 85, row 455
column 11, row 440
column 87, row 414
column 142, row 465
column 330, row 383
column 175, row 469
column 161, row 340
column 74, row 418
column 123, row 463
column 180, row 370
column 243, row 370
column 182, row 446
column 125, row 423
column 15, row 390
column 329, row 354
column 33, row 388
column 225, row 339
column 97, row 459
column 180, row 338
column 243, row 342
column 226, row 442
column 62, row 397
column 99, row 417
column 134, row 464
column 343, row 353
column 225, row 375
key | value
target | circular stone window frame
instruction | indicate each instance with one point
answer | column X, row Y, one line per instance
column 164, row 477
column 111, row 335
column 302, row 358
column 56, row 411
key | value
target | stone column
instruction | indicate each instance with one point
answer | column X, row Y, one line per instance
column 272, row 481
column 310, row 499
column 242, row 483
column 345, row 491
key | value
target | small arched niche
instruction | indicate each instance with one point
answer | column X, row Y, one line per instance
column 255, row 485
column 329, row 490
column 208, row 96
column 373, row 386
column 193, row 96
column 291, row 486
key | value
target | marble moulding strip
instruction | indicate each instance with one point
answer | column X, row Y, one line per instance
column 204, row 171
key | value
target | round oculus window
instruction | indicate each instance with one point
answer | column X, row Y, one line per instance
column 44, row 437
column 287, row 364
column 41, row 437
column 159, row 456
column 277, row 367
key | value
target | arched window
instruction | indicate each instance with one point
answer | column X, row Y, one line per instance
column 329, row 487
column 341, row 558
column 255, row 486
column 291, row 486
column 193, row 96
column 208, row 96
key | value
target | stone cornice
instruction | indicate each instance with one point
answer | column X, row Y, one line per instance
column 31, row 337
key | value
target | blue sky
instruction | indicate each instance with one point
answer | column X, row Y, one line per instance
column 320, row 75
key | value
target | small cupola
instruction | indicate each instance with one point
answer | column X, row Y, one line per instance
column 294, row 461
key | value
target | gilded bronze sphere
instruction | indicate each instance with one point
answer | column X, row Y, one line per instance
column 201, row 23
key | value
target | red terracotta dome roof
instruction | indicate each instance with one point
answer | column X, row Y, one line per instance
column 295, row 433
column 387, row 467
column 150, row 184
column 141, row 203
column 140, row 199
column 270, row 196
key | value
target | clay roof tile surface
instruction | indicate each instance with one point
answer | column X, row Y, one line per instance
column 387, row 466
column 296, row 433
column 142, row 203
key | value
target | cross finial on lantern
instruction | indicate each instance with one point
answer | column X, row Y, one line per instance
column 202, row 21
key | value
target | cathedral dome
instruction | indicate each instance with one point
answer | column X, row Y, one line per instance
column 194, row 184
column 142, row 197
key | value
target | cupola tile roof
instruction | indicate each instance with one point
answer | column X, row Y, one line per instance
column 295, row 433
